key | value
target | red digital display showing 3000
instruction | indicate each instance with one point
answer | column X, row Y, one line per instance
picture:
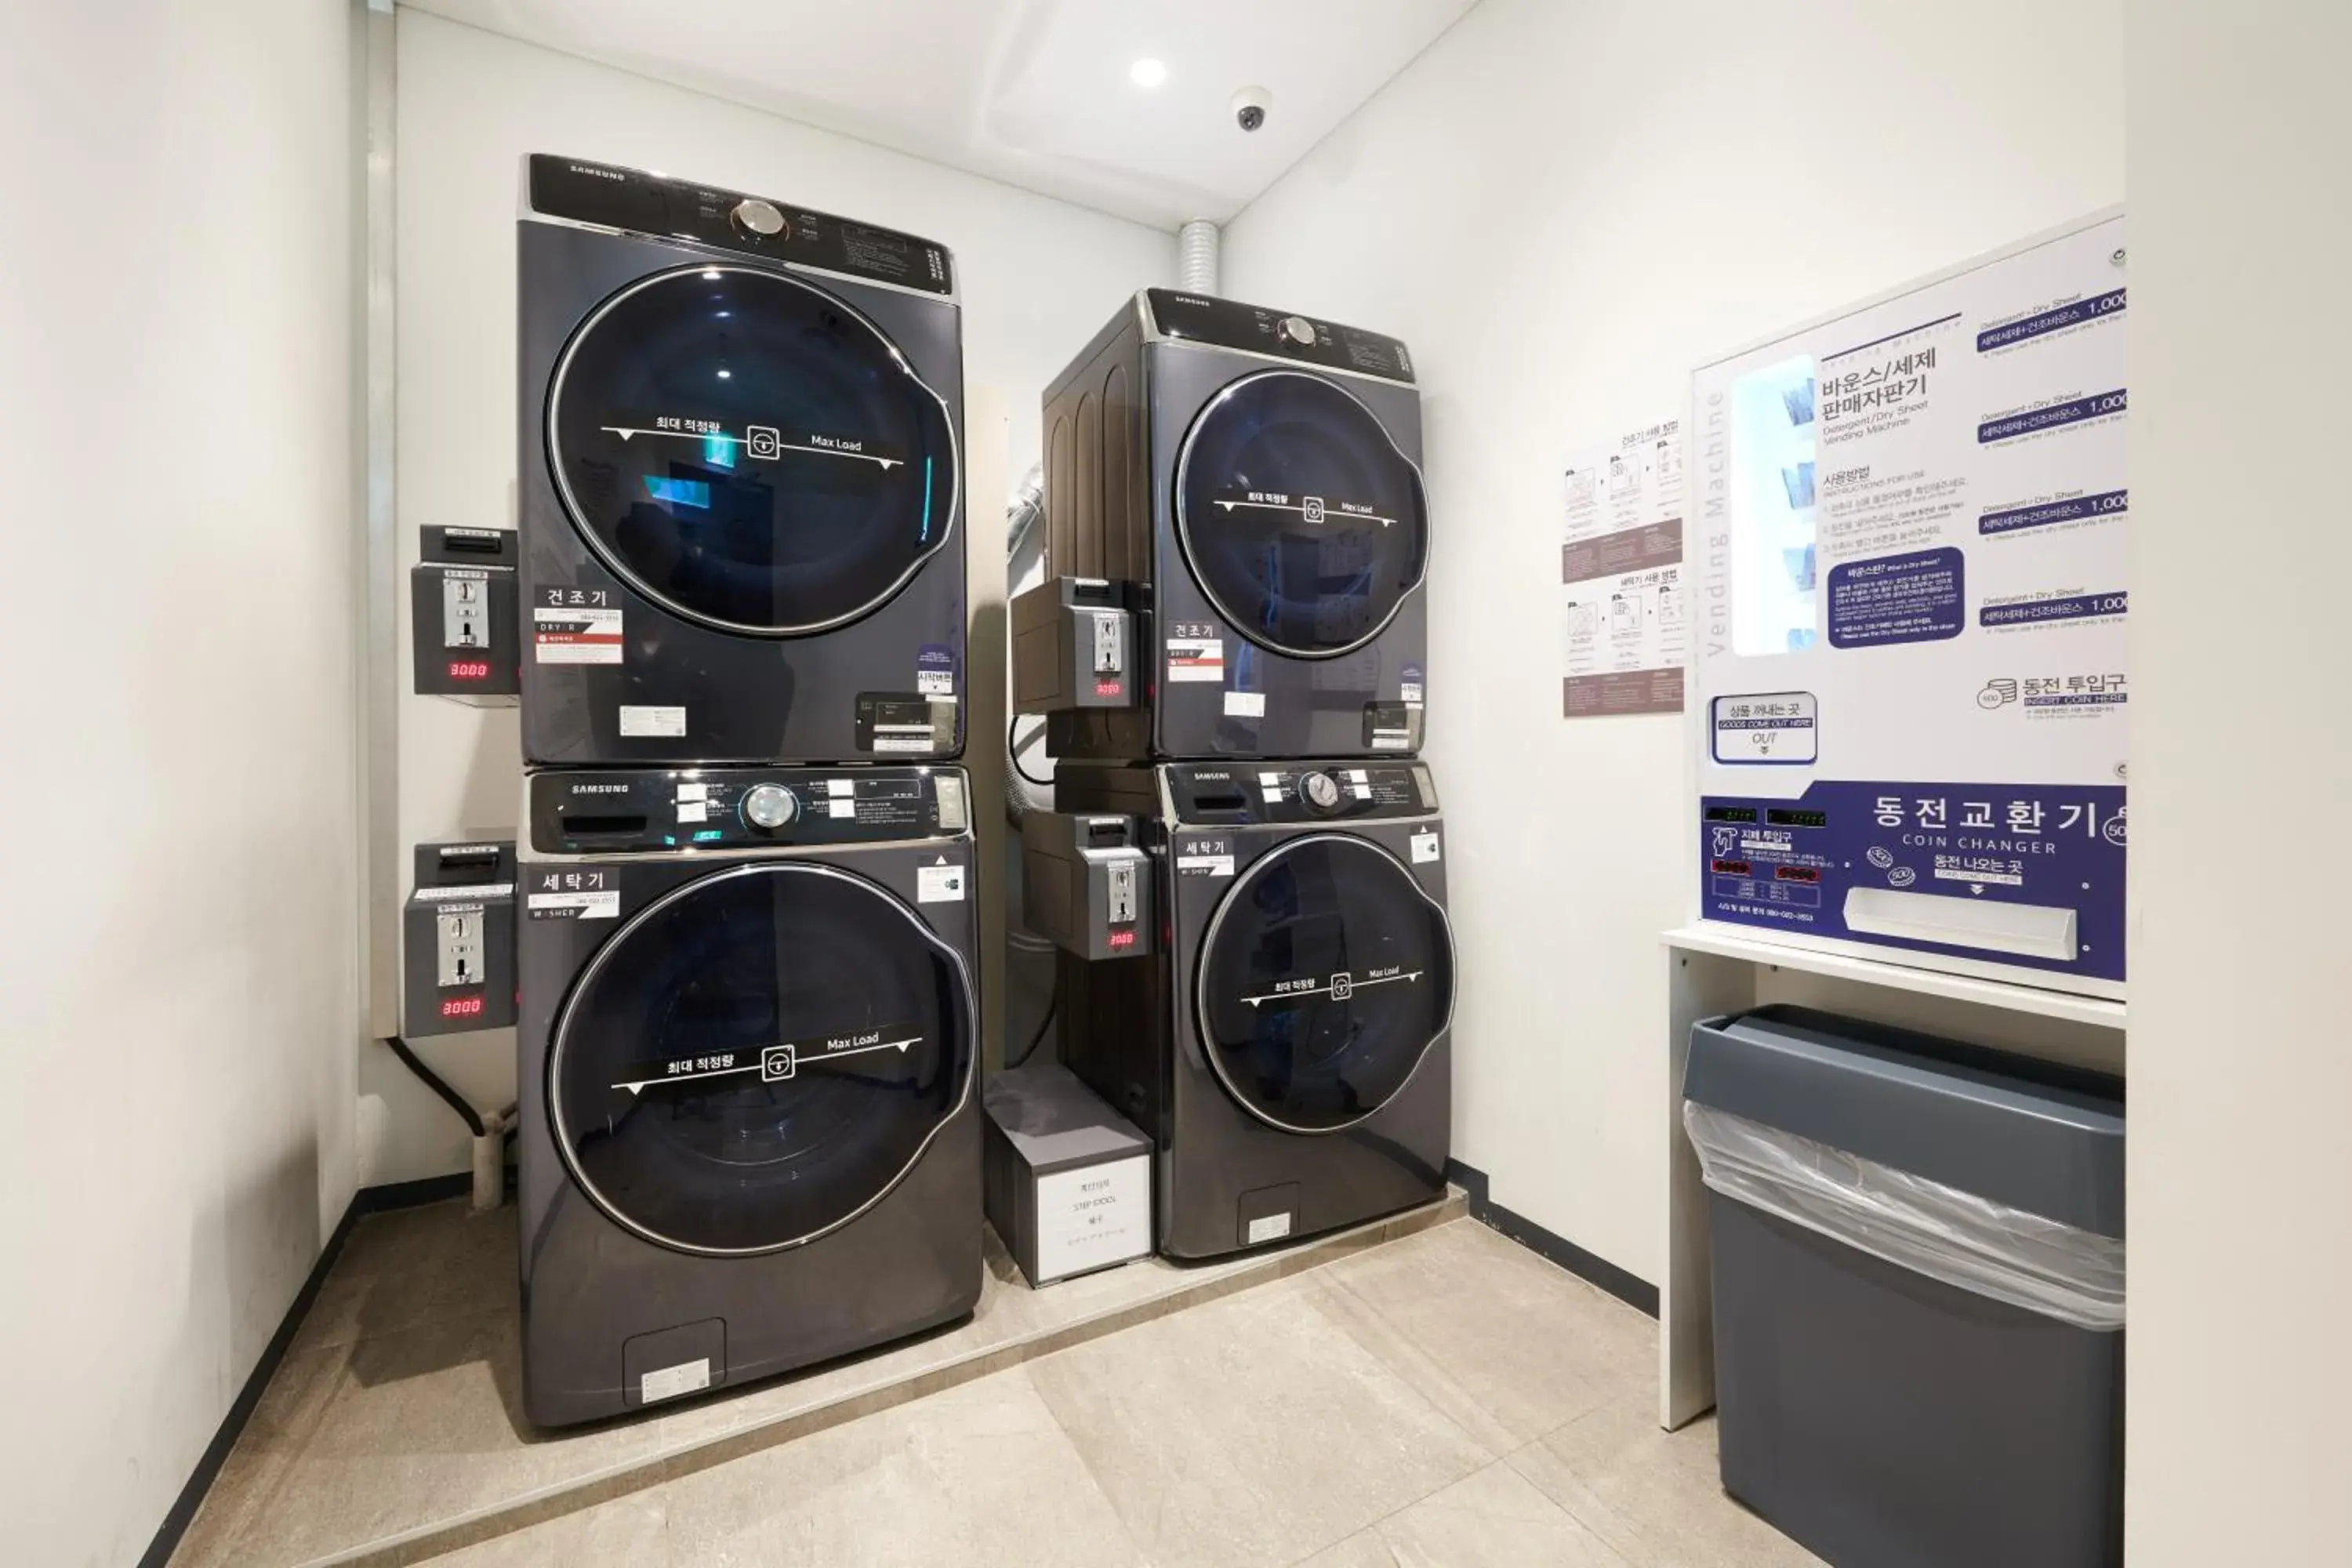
column 469, row 670
column 461, row 1007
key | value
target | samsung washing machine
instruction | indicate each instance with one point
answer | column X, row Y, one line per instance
column 1287, row 1047
column 739, row 491
column 748, row 1139
column 1256, row 477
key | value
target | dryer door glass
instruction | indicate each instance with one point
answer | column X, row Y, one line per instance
column 747, row 452
column 1302, row 522
column 756, row 1057
column 1325, row 977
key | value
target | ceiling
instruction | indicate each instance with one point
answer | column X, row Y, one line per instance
column 1034, row 92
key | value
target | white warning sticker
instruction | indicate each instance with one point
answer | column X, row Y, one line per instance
column 1245, row 704
column 1196, row 659
column 935, row 682
column 647, row 724
column 941, row 884
column 1410, row 694
column 687, row 791
column 1424, row 848
column 1204, row 865
column 669, row 1382
column 841, row 806
column 693, row 810
column 1268, row 1227
column 575, row 635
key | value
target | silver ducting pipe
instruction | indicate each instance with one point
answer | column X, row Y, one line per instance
column 1196, row 256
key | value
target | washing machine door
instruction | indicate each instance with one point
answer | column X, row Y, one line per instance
column 758, row 1056
column 1325, row 976
column 1301, row 520
column 748, row 451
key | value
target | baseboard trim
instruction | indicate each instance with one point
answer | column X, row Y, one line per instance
column 1597, row 1271
column 366, row 1201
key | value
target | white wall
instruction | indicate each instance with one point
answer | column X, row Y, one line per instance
column 1037, row 277
column 1563, row 208
column 178, row 939
column 2242, row 775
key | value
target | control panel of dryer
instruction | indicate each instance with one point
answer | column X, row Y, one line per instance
column 664, row 811
column 464, row 636
column 1229, row 794
column 631, row 199
column 457, row 939
column 1228, row 323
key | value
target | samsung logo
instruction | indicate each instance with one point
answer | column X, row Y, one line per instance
column 613, row 175
column 1192, row 299
column 599, row 789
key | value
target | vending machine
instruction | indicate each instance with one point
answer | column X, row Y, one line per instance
column 1909, row 661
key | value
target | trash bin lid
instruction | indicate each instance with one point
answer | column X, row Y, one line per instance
column 2034, row 1135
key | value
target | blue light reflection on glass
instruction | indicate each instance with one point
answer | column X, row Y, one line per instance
column 926, row 533
column 719, row 451
column 695, row 493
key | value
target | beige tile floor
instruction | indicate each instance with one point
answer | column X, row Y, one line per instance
column 1446, row 1398
column 393, row 1431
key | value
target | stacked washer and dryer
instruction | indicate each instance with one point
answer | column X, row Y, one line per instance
column 1237, row 520
column 748, row 1136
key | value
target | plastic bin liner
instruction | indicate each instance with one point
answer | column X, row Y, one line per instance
column 1963, row 1240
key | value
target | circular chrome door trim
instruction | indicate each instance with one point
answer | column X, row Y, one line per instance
column 612, row 561
column 1208, row 947
column 559, row 1033
column 1184, row 526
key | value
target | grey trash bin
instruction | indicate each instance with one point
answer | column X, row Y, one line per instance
column 1918, row 1264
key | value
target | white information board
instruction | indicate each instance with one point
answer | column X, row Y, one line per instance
column 1912, row 694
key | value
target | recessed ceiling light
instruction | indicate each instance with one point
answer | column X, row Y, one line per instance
column 1148, row 72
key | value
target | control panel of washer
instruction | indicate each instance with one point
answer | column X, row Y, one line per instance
column 1229, row 324
column 664, row 811
column 1300, row 792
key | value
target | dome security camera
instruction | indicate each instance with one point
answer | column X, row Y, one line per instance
column 1251, row 106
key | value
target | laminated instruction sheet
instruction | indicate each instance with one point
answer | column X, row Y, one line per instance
column 1622, row 573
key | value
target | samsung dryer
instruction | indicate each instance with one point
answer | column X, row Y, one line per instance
column 749, row 1138
column 739, row 491
column 1288, row 1048
column 1256, row 477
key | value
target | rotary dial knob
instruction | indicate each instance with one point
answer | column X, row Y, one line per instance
column 770, row 806
column 1319, row 791
column 753, row 215
column 1298, row 330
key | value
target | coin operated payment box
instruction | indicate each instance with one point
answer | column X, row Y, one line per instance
column 1086, row 884
column 1074, row 647
column 464, row 623
column 457, row 940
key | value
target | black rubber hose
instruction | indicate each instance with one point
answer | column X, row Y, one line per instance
column 457, row 1102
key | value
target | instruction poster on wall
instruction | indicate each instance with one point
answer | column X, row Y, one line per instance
column 1912, row 660
column 1622, row 573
